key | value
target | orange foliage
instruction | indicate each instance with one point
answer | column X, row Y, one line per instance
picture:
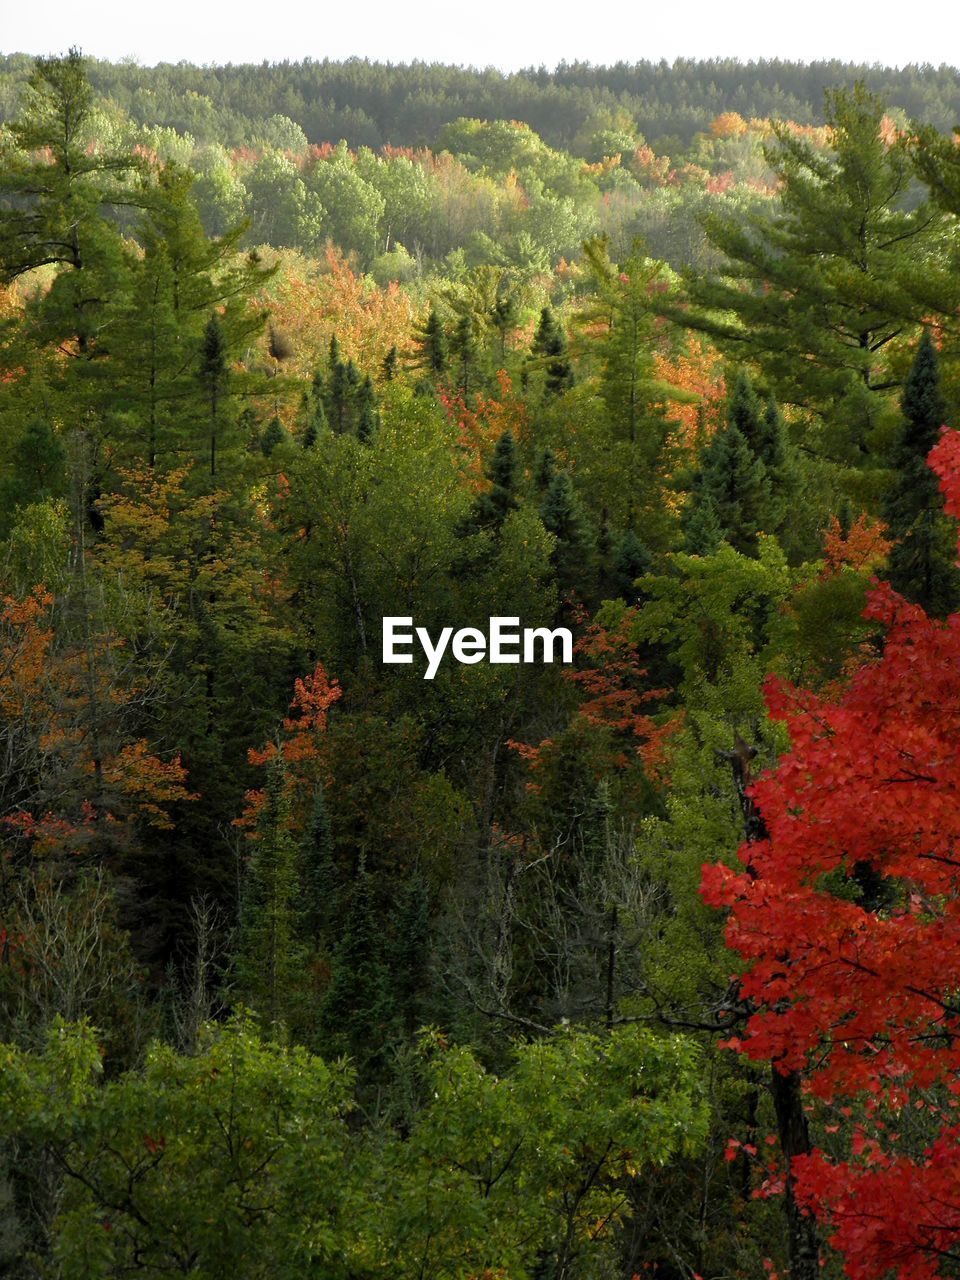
column 481, row 426
column 309, row 303
column 862, row 547
column 729, row 124
column 697, row 370
column 313, row 696
column 72, row 773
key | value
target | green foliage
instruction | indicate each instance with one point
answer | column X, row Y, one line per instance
column 922, row 564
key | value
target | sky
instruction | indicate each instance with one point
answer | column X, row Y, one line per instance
column 502, row 33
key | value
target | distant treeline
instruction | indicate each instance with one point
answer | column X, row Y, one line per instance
column 370, row 104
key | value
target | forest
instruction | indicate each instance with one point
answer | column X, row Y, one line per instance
column 635, row 965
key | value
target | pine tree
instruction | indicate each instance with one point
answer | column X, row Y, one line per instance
column 316, row 421
column 269, row 962
column 390, row 362
column 492, row 507
column 466, row 349
column 564, row 516
column 275, row 433
column 549, row 350
column 367, row 416
column 408, row 951
column 213, row 375
column 816, row 291
column 504, row 316
column 431, row 344
column 545, row 469
column 319, row 876
column 357, row 1006
column 37, row 471
column 732, row 490
column 922, row 563
column 631, row 560
column 53, row 196
column 337, row 390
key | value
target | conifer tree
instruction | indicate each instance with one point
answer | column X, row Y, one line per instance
column 213, row 375
column 269, row 963
column 390, row 362
column 37, row 469
column 564, row 516
column 430, row 341
column 367, row 416
column 503, row 316
column 549, row 349
column 546, row 468
column 408, row 951
column 733, row 487
column 357, row 1005
column 816, row 292
column 319, row 877
column 275, row 433
column 631, row 560
column 316, row 421
column 466, row 350
column 922, row 563
column 491, row 508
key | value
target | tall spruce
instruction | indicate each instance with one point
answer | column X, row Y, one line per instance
column 922, row 563
column 269, row 961
column 549, row 351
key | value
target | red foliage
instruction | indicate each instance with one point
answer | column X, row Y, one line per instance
column 849, row 918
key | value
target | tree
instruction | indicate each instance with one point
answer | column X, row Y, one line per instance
column 730, row 495
column 57, row 184
column 492, row 506
column 847, row 913
column 269, row 962
column 213, row 373
column 922, row 563
column 564, row 516
column 431, row 344
column 817, row 291
column 549, row 352
column 358, row 1004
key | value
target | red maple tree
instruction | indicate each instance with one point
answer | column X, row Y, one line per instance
column 848, row 915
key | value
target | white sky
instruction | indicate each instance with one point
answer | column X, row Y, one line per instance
column 501, row 33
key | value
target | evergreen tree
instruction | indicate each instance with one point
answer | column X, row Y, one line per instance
column 269, row 963
column 731, row 491
column 390, row 363
column 549, row 350
column 702, row 530
column 357, row 1006
column 54, row 194
column 319, row 876
column 564, row 516
column 37, row 469
column 274, row 434
column 338, row 390
column 922, row 563
column 465, row 348
column 316, row 421
column 492, row 507
column 213, row 376
column 545, row 469
column 504, row 316
column 819, row 290
column 631, row 560
column 367, row 416
column 408, row 951
column 430, row 341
